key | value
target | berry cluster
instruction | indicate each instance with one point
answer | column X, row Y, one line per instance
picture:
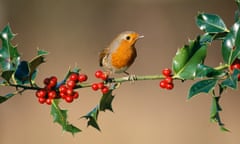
column 66, row 91
column 167, row 83
column 236, row 65
column 101, row 75
column 100, row 86
column 46, row 94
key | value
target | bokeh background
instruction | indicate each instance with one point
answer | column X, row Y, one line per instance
column 74, row 31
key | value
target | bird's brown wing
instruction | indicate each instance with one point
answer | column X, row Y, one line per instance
column 102, row 54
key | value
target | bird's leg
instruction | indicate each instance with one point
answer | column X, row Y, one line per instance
column 131, row 77
column 110, row 81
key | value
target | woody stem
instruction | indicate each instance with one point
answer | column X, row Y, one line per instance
column 125, row 79
column 136, row 78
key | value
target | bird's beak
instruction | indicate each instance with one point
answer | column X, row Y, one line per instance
column 141, row 36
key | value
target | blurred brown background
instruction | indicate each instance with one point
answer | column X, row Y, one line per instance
column 74, row 31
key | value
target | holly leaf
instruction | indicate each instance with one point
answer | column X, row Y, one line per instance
column 203, row 86
column 187, row 58
column 92, row 117
column 7, row 75
column 215, row 107
column 206, row 71
column 38, row 60
column 207, row 38
column 232, row 80
column 6, row 97
column 41, row 52
column 22, row 73
column 237, row 12
column 26, row 71
column 60, row 117
column 210, row 23
column 221, row 89
column 231, row 44
column 106, row 101
column 9, row 56
column 214, row 114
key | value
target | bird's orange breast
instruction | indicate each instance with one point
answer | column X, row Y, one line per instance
column 124, row 55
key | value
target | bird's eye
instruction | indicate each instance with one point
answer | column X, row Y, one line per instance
column 128, row 37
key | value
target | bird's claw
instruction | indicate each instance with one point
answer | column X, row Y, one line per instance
column 132, row 78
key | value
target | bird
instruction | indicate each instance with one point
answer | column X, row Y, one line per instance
column 120, row 54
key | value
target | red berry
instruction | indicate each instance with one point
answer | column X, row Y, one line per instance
column 48, row 87
column 63, row 95
column 98, row 74
column 95, row 86
column 105, row 90
column 71, row 84
column 62, row 89
column 167, row 72
column 52, row 82
column 82, row 78
column 46, row 81
column 75, row 95
column 74, row 77
column 69, row 91
column 49, row 101
column 169, row 86
column 52, row 94
column 53, row 78
column 236, row 61
column 104, row 76
column 41, row 100
column 235, row 66
column 163, row 84
column 168, row 79
column 41, row 93
column 68, row 98
column 100, row 85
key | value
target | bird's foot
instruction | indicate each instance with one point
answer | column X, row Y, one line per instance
column 131, row 77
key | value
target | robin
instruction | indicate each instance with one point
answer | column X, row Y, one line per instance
column 120, row 54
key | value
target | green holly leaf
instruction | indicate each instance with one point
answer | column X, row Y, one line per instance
column 215, row 107
column 26, row 71
column 206, row 71
column 232, row 80
column 222, row 128
column 237, row 12
column 106, row 101
column 231, row 44
column 6, row 97
column 9, row 56
column 7, row 75
column 38, row 60
column 203, row 86
column 41, row 52
column 22, row 74
column 210, row 23
column 92, row 117
column 187, row 58
column 221, row 89
column 215, row 113
column 207, row 38
column 60, row 117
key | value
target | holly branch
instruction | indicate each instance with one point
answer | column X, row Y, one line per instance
column 187, row 64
